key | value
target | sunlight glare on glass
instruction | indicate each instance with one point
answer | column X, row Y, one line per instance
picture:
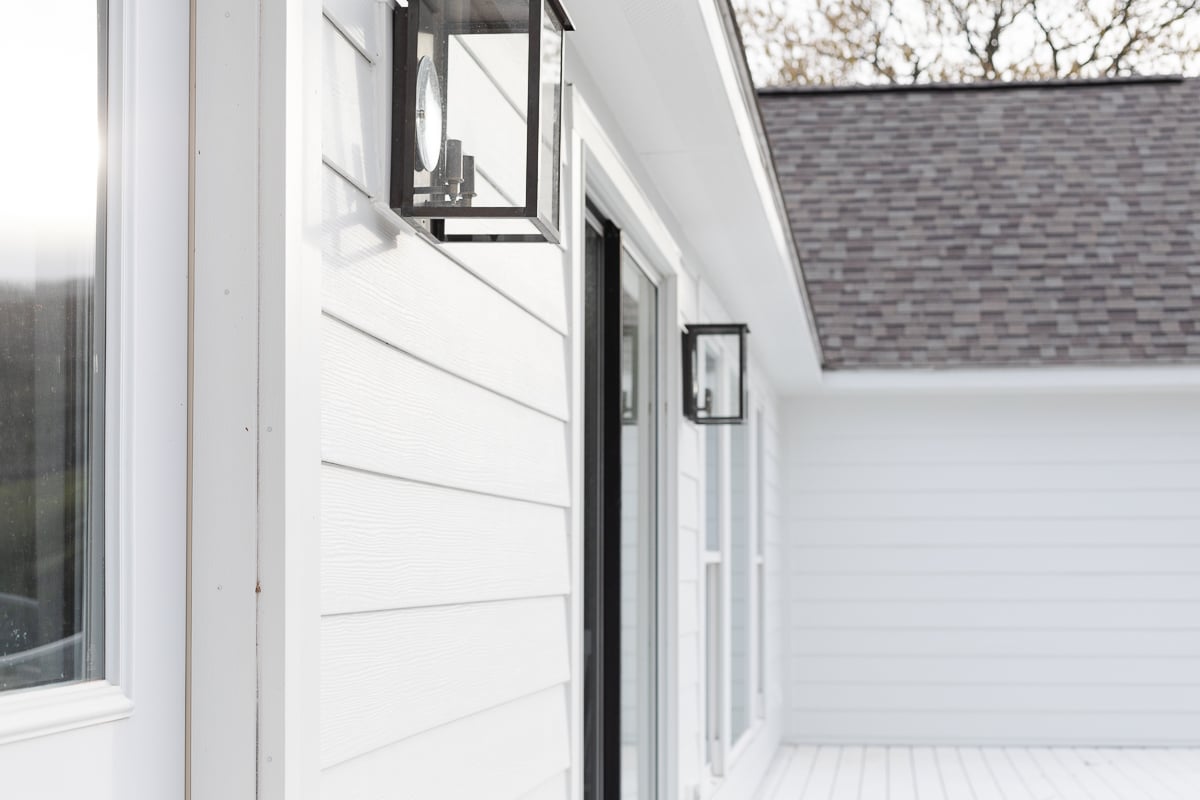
column 50, row 138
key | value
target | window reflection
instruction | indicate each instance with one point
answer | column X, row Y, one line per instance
column 50, row 346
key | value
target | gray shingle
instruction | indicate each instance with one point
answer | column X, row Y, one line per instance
column 1029, row 224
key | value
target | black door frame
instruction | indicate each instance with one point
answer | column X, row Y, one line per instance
column 602, row 518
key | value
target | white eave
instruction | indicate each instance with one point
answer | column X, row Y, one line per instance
column 670, row 80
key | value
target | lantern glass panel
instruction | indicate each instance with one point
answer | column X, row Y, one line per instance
column 478, row 51
column 718, row 391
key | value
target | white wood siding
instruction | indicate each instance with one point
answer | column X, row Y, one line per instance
column 445, row 484
column 1018, row 569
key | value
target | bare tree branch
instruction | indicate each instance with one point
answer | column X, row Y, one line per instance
column 910, row 41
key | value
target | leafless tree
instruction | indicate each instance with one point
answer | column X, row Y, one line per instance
column 831, row 42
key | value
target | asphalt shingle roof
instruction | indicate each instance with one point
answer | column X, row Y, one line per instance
column 1016, row 225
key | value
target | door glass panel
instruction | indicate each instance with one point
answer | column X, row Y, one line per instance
column 639, row 513
column 51, row 335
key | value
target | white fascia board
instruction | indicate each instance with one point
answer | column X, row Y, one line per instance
column 665, row 80
column 1025, row 380
column 739, row 85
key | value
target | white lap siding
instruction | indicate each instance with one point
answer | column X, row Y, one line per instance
column 1020, row 569
column 445, row 484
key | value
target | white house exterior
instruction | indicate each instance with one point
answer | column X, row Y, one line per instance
column 340, row 528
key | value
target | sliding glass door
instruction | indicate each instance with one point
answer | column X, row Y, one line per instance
column 621, row 512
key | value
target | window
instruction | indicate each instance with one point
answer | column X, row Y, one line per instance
column 740, row 623
column 52, row 346
column 734, row 574
column 759, row 571
column 714, row 579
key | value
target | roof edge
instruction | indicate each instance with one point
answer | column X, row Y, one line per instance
column 750, row 93
column 976, row 86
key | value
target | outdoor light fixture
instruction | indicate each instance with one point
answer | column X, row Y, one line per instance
column 714, row 384
column 477, row 118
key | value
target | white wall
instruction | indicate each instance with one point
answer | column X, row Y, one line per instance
column 1020, row 569
column 445, row 482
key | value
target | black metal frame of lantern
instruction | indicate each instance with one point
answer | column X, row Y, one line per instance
column 454, row 175
column 701, row 412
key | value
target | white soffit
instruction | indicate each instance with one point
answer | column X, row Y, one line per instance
column 666, row 76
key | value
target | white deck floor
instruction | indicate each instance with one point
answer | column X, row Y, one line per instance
column 972, row 773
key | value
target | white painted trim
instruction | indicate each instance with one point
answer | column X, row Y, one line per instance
column 223, row 504
column 611, row 185
column 670, row 387
column 1034, row 379
column 289, row 399
column 55, row 709
column 574, row 208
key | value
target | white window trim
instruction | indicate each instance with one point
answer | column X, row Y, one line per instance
column 725, row 761
column 57, row 708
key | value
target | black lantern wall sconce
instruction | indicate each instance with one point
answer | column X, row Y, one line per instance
column 714, row 390
column 477, row 118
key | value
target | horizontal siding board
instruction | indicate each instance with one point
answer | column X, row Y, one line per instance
column 860, row 504
column 505, row 752
column 1123, row 477
column 384, row 411
column 359, row 20
column 1068, row 415
column 923, row 532
column 991, row 615
column 556, row 788
column 884, row 644
column 533, row 275
column 349, row 134
column 388, row 543
column 933, row 696
column 406, row 293
column 1124, row 560
column 1018, row 449
column 998, row 587
column 387, row 676
column 996, row 670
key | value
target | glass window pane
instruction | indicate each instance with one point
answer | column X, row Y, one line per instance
column 51, row 345
column 719, row 393
column 713, row 441
column 639, row 510
column 473, row 87
column 740, row 565
column 714, row 682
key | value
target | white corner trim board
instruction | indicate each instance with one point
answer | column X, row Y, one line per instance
column 55, row 709
column 1050, row 379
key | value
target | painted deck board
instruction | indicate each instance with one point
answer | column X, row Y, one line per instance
column 973, row 773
